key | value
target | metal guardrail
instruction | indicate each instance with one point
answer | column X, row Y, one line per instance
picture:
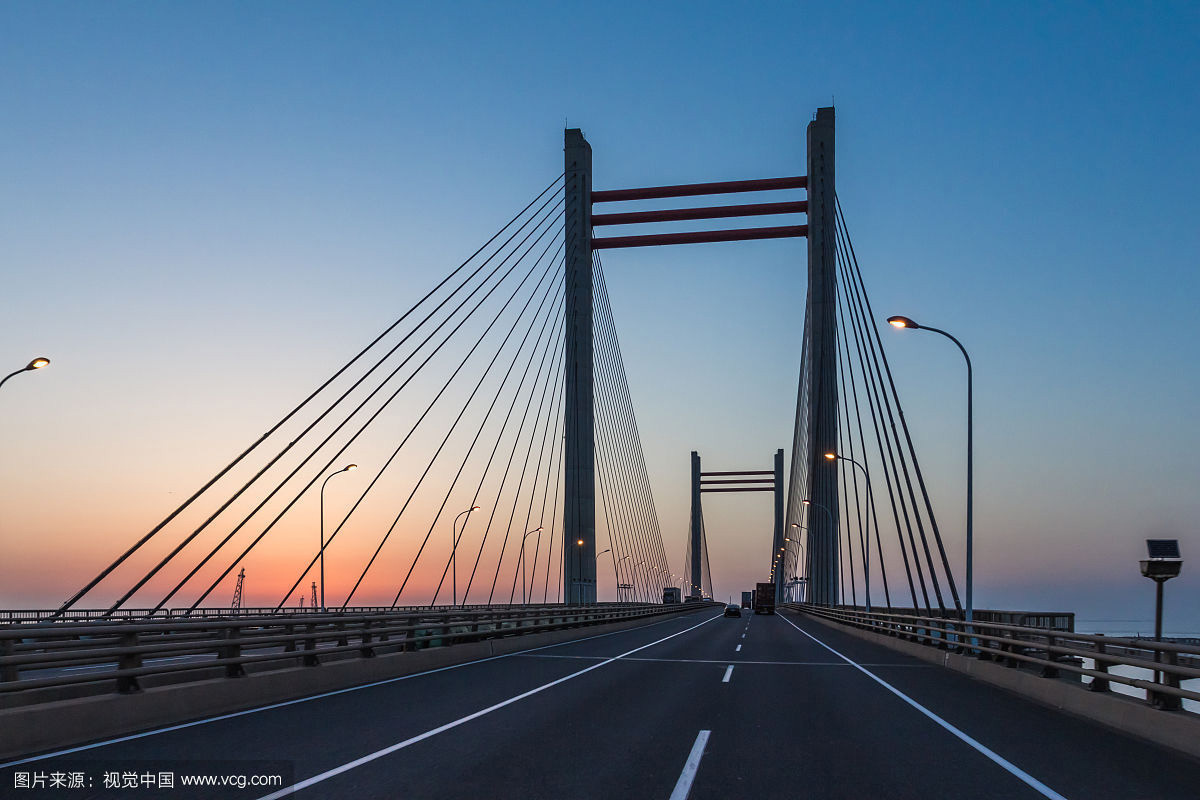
column 1055, row 620
column 1054, row 651
column 28, row 616
column 117, row 654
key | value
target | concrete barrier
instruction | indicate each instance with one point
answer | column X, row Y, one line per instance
column 58, row 724
column 1178, row 730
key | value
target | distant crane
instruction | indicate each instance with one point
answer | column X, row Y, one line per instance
column 236, row 605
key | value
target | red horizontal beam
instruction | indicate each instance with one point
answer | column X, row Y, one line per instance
column 739, row 480
column 743, row 472
column 692, row 189
column 712, row 212
column 754, row 489
column 700, row 237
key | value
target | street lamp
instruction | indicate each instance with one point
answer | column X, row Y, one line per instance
column 538, row 529
column 611, row 555
column 828, row 514
column 1164, row 563
column 578, row 586
column 871, row 504
column 37, row 363
column 347, row 468
column 454, row 535
column 905, row 322
column 616, row 569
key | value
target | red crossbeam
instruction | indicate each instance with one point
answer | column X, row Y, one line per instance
column 699, row 237
column 753, row 489
column 712, row 212
column 740, row 480
column 692, row 189
column 743, row 472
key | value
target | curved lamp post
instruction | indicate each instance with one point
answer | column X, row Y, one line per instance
column 828, row 514
column 871, row 503
column 611, row 555
column 905, row 322
column 347, row 468
column 616, row 569
column 37, row 363
column 454, row 535
column 538, row 529
column 799, row 544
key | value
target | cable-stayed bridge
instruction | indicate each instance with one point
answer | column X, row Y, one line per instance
column 471, row 642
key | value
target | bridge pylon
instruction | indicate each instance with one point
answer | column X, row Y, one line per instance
column 822, row 377
column 579, row 503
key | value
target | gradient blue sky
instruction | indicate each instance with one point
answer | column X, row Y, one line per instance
column 204, row 208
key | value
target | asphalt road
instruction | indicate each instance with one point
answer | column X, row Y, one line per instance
column 655, row 712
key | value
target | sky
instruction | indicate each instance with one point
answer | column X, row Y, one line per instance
column 206, row 208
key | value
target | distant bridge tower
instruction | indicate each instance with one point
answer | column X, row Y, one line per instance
column 314, row 594
column 579, row 502
column 741, row 481
column 237, row 591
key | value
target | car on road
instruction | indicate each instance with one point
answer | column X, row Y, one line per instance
column 733, row 610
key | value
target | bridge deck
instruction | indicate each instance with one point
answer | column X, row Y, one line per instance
column 618, row 715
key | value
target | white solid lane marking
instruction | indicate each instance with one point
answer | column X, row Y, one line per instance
column 369, row 757
column 385, row 681
column 739, row 649
column 684, row 784
column 743, row 636
column 1013, row 769
column 728, row 672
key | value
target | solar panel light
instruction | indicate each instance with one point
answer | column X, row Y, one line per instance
column 1164, row 562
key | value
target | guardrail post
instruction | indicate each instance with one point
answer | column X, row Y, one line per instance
column 366, row 650
column 983, row 640
column 1008, row 647
column 232, row 650
column 10, row 671
column 1163, row 701
column 1049, row 670
column 289, row 630
column 128, row 684
column 1102, row 665
column 410, row 634
column 310, row 646
column 940, row 635
column 342, row 641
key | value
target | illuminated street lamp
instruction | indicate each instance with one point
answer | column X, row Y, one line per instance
column 905, row 322
column 347, row 468
column 871, row 503
column 37, row 363
column 454, row 536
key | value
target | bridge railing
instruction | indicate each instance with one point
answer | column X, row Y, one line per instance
column 25, row 616
column 1051, row 650
column 115, row 655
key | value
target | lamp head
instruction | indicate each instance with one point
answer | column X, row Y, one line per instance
column 902, row 322
column 38, row 363
column 350, row 468
column 831, row 456
column 579, row 542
